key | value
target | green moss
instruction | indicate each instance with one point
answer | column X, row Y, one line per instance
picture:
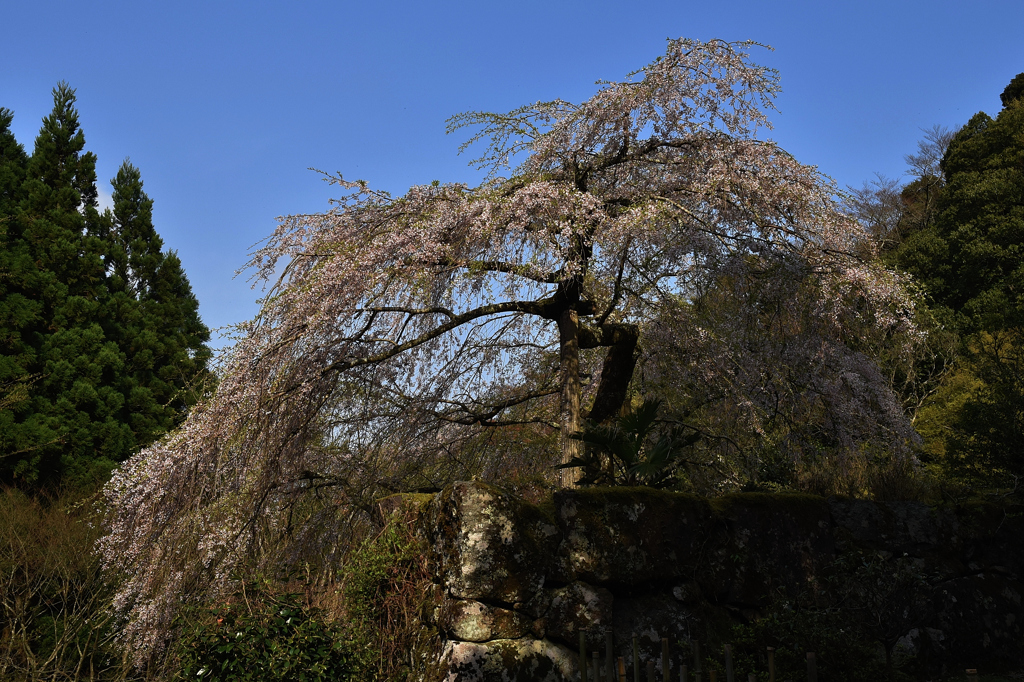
column 414, row 501
column 626, row 495
column 795, row 503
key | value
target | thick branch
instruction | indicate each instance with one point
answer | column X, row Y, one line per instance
column 616, row 373
column 617, row 292
column 544, row 308
column 485, row 417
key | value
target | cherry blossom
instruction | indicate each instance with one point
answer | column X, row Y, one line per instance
column 395, row 328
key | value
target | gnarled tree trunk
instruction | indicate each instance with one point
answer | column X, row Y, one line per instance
column 570, row 417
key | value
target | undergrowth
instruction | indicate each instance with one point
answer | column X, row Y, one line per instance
column 385, row 585
column 54, row 617
column 265, row 634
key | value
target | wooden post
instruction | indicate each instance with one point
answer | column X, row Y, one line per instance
column 583, row 655
column 610, row 660
column 812, row 667
column 698, row 667
column 729, row 676
column 972, row 674
column 622, row 669
column 636, row 660
column 597, row 666
column 664, row 660
column 713, row 676
column 751, row 677
column 771, row 664
column 684, row 673
column 651, row 677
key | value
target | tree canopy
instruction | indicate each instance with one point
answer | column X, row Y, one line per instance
column 403, row 337
column 968, row 254
column 958, row 229
column 100, row 338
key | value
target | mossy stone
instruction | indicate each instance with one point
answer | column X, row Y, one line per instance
column 488, row 545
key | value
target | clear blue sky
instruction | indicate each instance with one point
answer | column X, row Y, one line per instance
column 224, row 105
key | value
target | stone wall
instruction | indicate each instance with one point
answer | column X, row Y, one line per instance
column 515, row 583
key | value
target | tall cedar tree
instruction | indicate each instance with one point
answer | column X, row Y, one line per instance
column 74, row 406
column 156, row 319
column 14, row 307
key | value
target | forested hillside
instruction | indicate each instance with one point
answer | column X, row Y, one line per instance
column 958, row 229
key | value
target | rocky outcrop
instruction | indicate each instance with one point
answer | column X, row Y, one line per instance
column 518, row 583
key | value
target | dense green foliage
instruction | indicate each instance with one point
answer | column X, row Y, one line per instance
column 971, row 257
column 101, row 345
column 260, row 635
column 958, row 229
column 977, row 261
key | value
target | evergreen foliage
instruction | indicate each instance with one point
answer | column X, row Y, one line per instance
column 92, row 367
column 966, row 248
column 970, row 258
column 262, row 636
column 630, row 451
column 156, row 316
column 14, row 378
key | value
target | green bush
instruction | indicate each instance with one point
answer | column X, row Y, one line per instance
column 385, row 592
column 259, row 635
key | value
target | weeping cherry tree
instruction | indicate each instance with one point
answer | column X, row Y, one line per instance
column 396, row 328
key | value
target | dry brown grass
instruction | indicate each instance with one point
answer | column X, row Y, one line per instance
column 878, row 478
column 54, row 624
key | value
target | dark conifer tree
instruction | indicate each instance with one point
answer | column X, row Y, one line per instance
column 15, row 355
column 69, row 425
column 157, row 320
column 101, row 345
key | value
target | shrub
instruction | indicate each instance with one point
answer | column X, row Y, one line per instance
column 385, row 592
column 265, row 636
column 54, row 617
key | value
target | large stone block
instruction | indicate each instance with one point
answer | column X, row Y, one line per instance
column 488, row 545
column 765, row 543
column 650, row 617
column 579, row 606
column 509, row 660
column 630, row 536
column 897, row 527
column 473, row 621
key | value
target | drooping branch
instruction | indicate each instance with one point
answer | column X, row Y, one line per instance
column 486, row 415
